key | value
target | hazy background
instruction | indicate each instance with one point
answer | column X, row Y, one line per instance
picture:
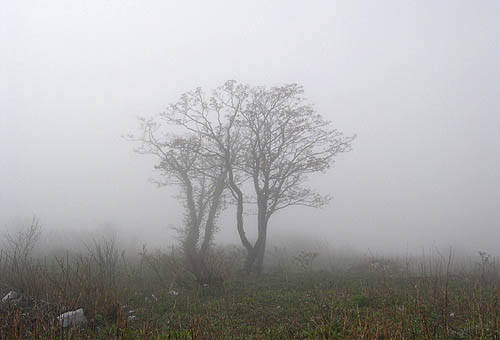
column 417, row 81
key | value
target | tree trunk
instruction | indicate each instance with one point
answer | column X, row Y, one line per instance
column 261, row 244
column 255, row 255
column 250, row 260
column 212, row 215
column 259, row 261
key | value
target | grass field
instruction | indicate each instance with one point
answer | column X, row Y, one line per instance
column 152, row 297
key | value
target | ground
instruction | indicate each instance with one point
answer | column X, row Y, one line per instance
column 354, row 304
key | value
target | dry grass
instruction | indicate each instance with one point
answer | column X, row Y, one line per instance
column 134, row 297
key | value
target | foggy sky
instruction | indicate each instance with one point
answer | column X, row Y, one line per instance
column 417, row 81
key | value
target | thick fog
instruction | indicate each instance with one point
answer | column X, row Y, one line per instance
column 417, row 81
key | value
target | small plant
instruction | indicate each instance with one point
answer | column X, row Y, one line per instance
column 21, row 244
column 486, row 266
column 485, row 257
column 16, row 259
column 304, row 260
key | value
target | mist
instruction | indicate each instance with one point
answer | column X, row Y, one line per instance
column 417, row 82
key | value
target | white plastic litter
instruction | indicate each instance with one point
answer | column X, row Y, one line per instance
column 173, row 292
column 12, row 295
column 72, row 318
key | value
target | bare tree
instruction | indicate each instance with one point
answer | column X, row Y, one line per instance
column 18, row 253
column 286, row 141
column 201, row 177
column 216, row 120
column 270, row 138
column 21, row 244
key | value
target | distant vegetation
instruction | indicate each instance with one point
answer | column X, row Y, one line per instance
column 300, row 295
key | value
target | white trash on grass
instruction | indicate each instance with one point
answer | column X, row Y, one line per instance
column 12, row 295
column 72, row 318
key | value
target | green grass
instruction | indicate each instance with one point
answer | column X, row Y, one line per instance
column 364, row 298
column 313, row 305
